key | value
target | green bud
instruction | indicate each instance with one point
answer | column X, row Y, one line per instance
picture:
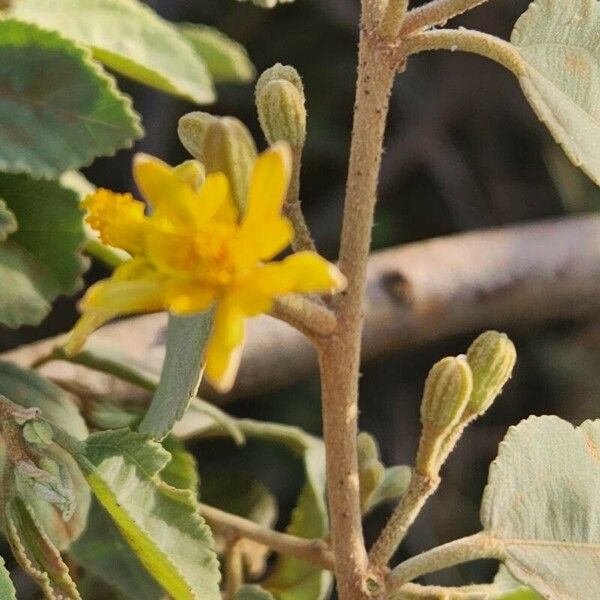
column 370, row 477
column 38, row 433
column 280, row 103
column 222, row 144
column 368, row 449
column 447, row 391
column 492, row 357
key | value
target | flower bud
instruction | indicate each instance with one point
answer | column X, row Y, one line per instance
column 370, row 475
column 222, row 144
column 38, row 433
column 492, row 357
column 280, row 103
column 447, row 391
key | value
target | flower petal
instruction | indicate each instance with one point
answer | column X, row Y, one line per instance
column 111, row 298
column 215, row 201
column 224, row 349
column 269, row 184
column 188, row 298
column 303, row 272
column 118, row 219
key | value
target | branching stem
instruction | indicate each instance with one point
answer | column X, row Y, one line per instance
column 308, row 316
column 315, row 552
column 436, row 12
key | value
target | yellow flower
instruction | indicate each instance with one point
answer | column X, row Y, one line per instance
column 194, row 252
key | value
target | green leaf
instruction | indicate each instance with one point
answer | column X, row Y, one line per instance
column 58, row 109
column 252, row 592
column 7, row 589
column 102, row 551
column 559, row 42
column 181, row 471
column 395, row 484
column 36, row 553
column 8, row 221
column 508, row 588
column 128, row 37
column 160, row 523
column 41, row 260
column 226, row 59
column 541, row 503
column 181, row 373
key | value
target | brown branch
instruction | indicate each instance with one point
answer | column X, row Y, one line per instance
column 315, row 552
column 416, row 294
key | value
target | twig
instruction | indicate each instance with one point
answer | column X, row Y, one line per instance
column 307, row 316
column 418, row 293
column 315, row 552
column 340, row 354
column 454, row 553
column 421, row 488
column 436, row 12
column 234, row 567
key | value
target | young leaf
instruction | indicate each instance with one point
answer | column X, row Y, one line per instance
column 128, row 37
column 226, row 59
column 559, row 42
column 160, row 523
column 508, row 588
column 36, row 553
column 7, row 589
column 541, row 503
column 59, row 110
column 181, row 373
column 181, row 471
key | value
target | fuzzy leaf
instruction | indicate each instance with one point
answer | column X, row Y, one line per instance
column 160, row 523
column 181, row 373
column 7, row 589
column 559, row 42
column 58, row 109
column 252, row 592
column 508, row 588
column 181, row 471
column 541, row 503
column 42, row 258
column 128, row 37
column 226, row 59
column 36, row 553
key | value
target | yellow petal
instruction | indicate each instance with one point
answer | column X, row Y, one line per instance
column 188, row 298
column 215, row 201
column 118, row 219
column 264, row 241
column 268, row 186
column 111, row 298
column 303, row 272
column 224, row 349
column 168, row 193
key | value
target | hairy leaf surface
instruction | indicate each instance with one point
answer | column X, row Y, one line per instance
column 7, row 589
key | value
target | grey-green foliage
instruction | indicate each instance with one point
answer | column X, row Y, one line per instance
column 541, row 504
column 7, row 590
column 128, row 37
column 59, row 110
column 558, row 40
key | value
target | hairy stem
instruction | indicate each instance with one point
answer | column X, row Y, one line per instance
column 340, row 353
column 315, row 552
column 308, row 316
column 293, row 210
column 234, row 567
column 454, row 553
column 392, row 19
column 421, row 488
column 436, row 12
column 466, row 40
column 412, row 591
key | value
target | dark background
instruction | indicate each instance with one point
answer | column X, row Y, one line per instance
column 463, row 151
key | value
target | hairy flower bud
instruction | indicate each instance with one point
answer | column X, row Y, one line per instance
column 370, row 477
column 492, row 357
column 368, row 449
column 447, row 391
column 222, row 144
column 192, row 172
column 280, row 104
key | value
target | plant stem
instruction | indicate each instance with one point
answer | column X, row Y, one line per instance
column 454, row 553
column 421, row 487
column 436, row 12
column 315, row 552
column 292, row 209
column 308, row 316
column 392, row 19
column 234, row 567
column 412, row 591
column 466, row 40
column 340, row 353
